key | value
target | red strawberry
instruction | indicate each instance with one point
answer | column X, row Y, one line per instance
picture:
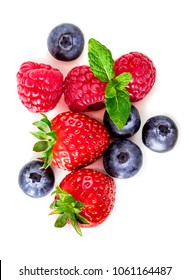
column 82, row 90
column 71, row 140
column 142, row 70
column 85, row 198
column 39, row 86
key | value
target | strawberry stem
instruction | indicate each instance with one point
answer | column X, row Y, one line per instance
column 68, row 209
column 47, row 138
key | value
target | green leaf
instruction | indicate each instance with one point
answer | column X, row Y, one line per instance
column 42, row 125
column 66, row 198
column 100, row 60
column 58, row 190
column 68, row 209
column 81, row 219
column 53, row 205
column 41, row 146
column 119, row 107
column 122, row 80
column 75, row 224
column 60, row 210
column 47, row 157
column 117, row 99
column 110, row 91
column 40, row 135
column 47, row 139
column 46, row 120
column 61, row 221
column 79, row 205
column 51, row 135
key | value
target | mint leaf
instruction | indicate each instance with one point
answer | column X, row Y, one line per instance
column 122, row 80
column 119, row 107
column 100, row 60
column 117, row 101
column 110, row 90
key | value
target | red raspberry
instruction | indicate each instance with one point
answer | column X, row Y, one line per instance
column 39, row 86
column 143, row 73
column 82, row 90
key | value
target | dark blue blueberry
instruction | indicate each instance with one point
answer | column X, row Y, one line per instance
column 65, row 42
column 159, row 134
column 122, row 159
column 34, row 181
column 131, row 127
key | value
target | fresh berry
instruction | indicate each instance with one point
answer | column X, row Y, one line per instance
column 143, row 73
column 131, row 127
column 82, row 90
column 65, row 42
column 34, row 181
column 39, row 86
column 122, row 159
column 71, row 140
column 159, row 133
column 85, row 198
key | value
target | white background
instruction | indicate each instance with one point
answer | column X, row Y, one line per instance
column 149, row 224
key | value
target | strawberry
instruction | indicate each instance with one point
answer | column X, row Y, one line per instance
column 82, row 90
column 142, row 70
column 39, row 86
column 85, row 198
column 71, row 140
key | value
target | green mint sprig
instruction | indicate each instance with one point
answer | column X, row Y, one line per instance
column 117, row 100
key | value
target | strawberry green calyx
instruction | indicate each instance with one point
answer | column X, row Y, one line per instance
column 68, row 209
column 46, row 137
column 117, row 100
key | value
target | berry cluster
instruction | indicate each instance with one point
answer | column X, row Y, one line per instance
column 72, row 140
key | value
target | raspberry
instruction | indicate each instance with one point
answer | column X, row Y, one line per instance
column 143, row 74
column 39, row 86
column 82, row 90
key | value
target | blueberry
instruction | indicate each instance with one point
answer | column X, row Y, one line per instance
column 131, row 127
column 34, row 181
column 65, row 42
column 159, row 133
column 122, row 159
